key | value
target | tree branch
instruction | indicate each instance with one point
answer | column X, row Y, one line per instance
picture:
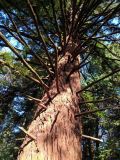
column 92, row 138
column 56, row 65
column 91, row 84
column 22, row 41
column 56, row 23
column 96, row 101
column 23, row 60
column 94, row 111
column 97, row 29
column 76, row 68
column 64, row 21
column 26, row 132
column 39, row 33
column 33, row 99
column 107, row 49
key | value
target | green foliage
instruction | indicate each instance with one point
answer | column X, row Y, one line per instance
column 11, row 70
column 108, row 120
column 8, row 147
column 7, row 57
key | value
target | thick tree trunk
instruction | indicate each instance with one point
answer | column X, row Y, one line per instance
column 55, row 134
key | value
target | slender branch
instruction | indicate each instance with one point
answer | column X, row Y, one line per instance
column 47, row 13
column 33, row 99
column 74, row 11
column 24, row 23
column 94, row 111
column 39, row 33
column 56, row 23
column 33, row 38
column 22, row 41
column 98, row 28
column 64, row 21
column 90, row 8
column 97, row 21
column 106, row 36
column 19, row 139
column 92, row 138
column 81, row 11
column 10, row 31
column 36, row 100
column 108, row 49
column 104, row 77
column 33, row 53
column 17, row 31
column 56, row 65
column 23, row 60
column 82, row 64
column 33, row 79
column 96, row 101
column 8, row 65
column 76, row 68
column 15, row 26
column 26, row 132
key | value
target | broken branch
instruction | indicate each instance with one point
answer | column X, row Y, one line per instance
column 26, row 132
column 33, row 99
column 92, row 138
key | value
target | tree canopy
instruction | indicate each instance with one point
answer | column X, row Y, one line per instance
column 35, row 35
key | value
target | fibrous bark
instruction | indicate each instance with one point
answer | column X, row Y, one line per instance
column 57, row 133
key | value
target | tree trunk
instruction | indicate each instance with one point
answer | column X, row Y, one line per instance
column 55, row 134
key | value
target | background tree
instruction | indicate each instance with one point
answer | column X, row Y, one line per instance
column 54, row 40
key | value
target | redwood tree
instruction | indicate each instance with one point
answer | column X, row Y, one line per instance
column 54, row 40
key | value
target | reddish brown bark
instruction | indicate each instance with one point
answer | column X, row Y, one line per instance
column 57, row 133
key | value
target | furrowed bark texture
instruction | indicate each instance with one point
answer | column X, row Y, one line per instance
column 57, row 133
